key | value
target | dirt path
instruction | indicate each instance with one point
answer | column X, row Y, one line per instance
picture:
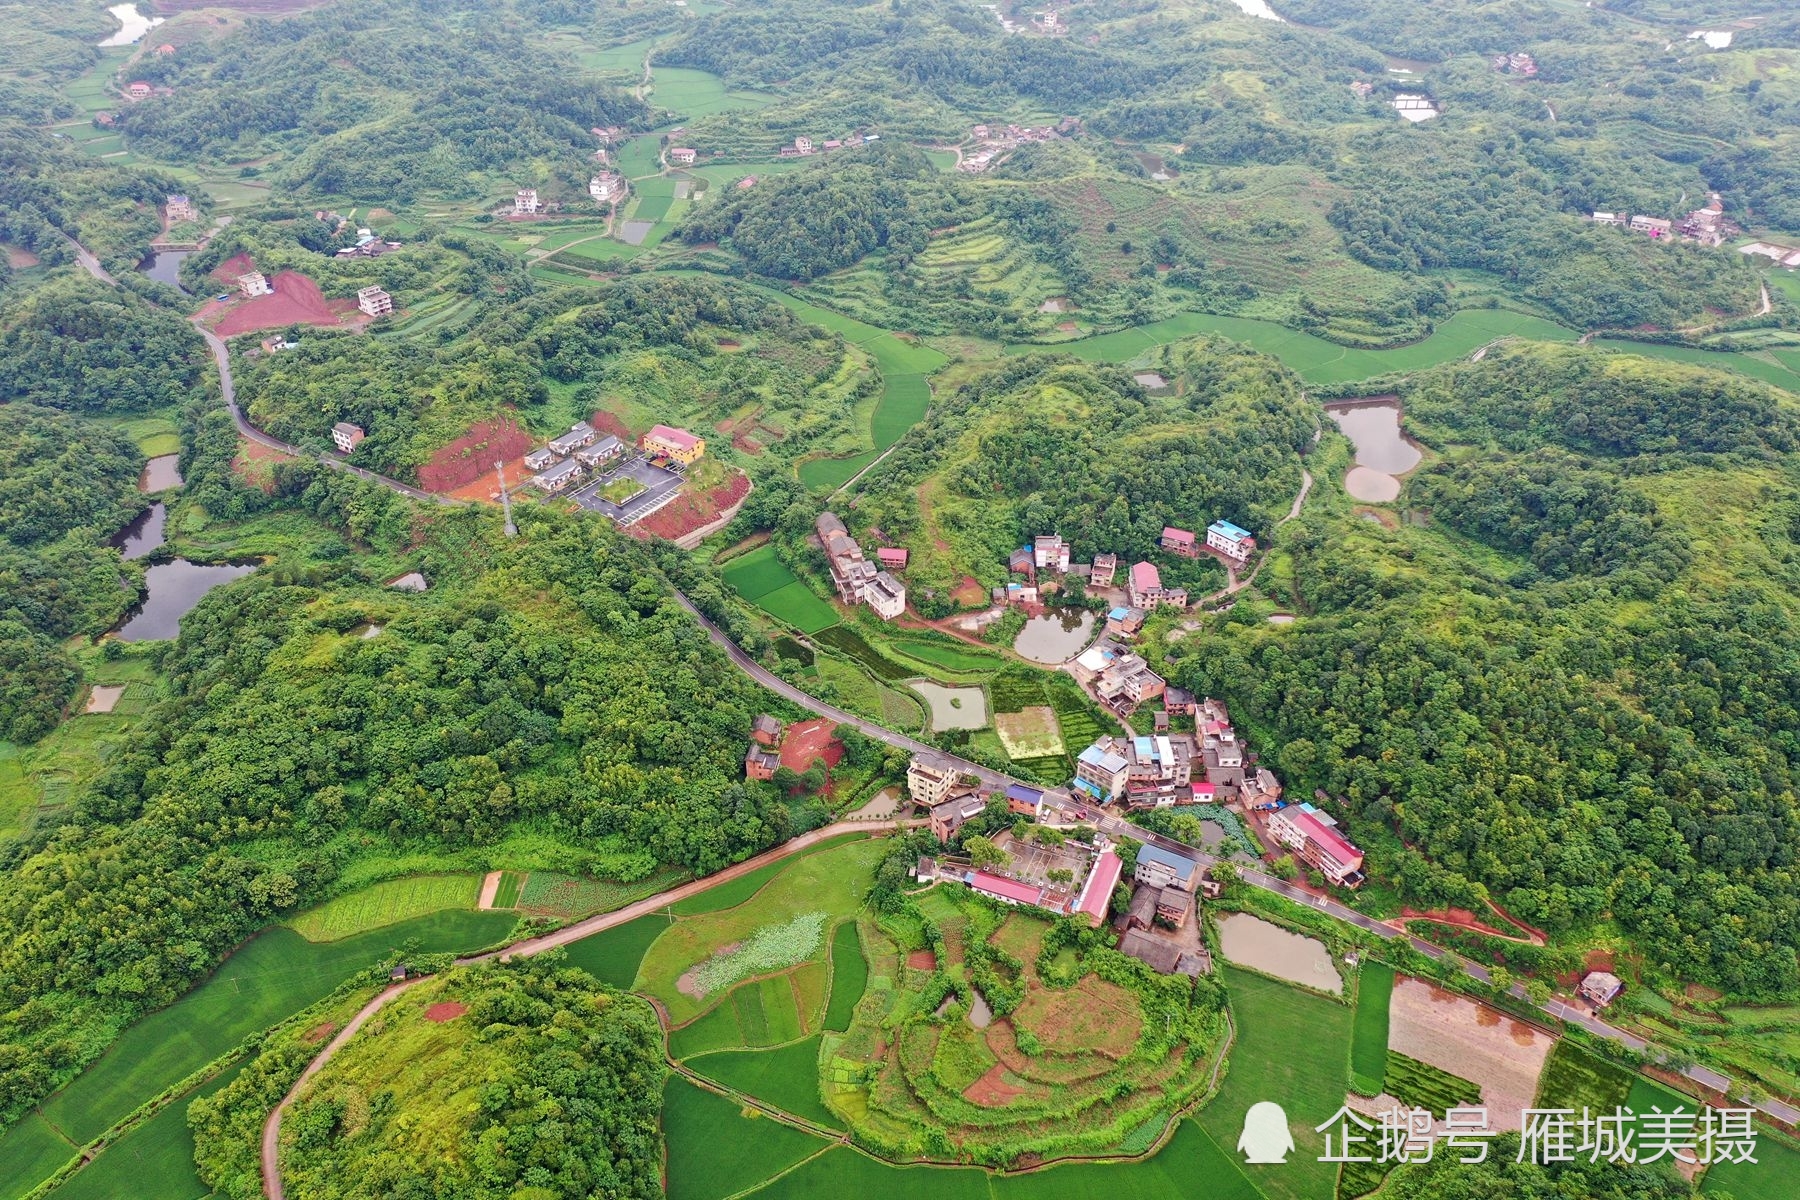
column 490, row 887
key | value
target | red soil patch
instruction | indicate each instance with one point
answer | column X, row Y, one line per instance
column 746, row 444
column 1067, row 327
column 229, row 270
column 992, row 1090
column 297, row 301
column 318, row 1033
column 809, row 740
column 445, row 1010
column 254, row 463
column 922, row 960
column 1459, row 918
column 608, row 422
column 1599, row 960
column 970, row 594
column 691, row 510
column 470, row 458
column 18, row 257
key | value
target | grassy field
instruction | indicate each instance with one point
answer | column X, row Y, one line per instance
column 1575, row 1079
column 273, row 976
column 1775, row 1175
column 155, row 1161
column 613, row 955
column 787, row 1077
column 1305, row 1075
column 849, row 976
column 715, row 1150
column 734, row 892
column 1771, row 369
column 30, row 1152
column 832, row 881
column 1369, row 1031
column 383, row 904
column 506, row 895
column 570, row 897
column 777, row 591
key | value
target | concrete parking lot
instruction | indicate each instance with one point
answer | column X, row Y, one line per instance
column 659, row 486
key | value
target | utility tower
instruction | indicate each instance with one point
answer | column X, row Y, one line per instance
column 505, row 501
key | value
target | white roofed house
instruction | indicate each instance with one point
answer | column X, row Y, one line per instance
column 540, row 458
column 526, row 202
column 374, row 302
column 608, row 187
column 557, row 477
column 255, row 283
column 604, row 450
column 580, row 434
column 886, row 596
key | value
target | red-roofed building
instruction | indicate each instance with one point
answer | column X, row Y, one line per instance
column 1096, row 895
column 1205, row 793
column 1146, row 587
column 683, row 156
column 1009, row 890
column 1302, row 828
column 891, row 556
column 677, row 444
column 138, row 90
column 1180, row 541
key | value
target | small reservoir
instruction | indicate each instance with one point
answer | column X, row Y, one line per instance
column 164, row 266
column 1055, row 637
column 1253, row 942
column 1383, row 452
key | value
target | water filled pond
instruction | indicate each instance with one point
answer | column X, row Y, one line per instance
column 1055, row 637
column 164, row 266
column 172, row 589
column 136, row 25
column 1383, row 451
column 143, row 534
column 953, row 707
column 1254, row 942
column 160, row 474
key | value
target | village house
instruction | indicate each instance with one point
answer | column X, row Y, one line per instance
column 1105, row 567
column 1165, row 869
column 979, row 133
column 374, row 302
column 1164, row 957
column 1124, row 622
column 1230, row 540
column 538, row 459
column 857, row 579
column 1101, row 771
column 1022, row 562
column 1601, row 988
column 1609, row 218
column 1174, row 906
column 803, row 146
column 1016, row 594
column 608, row 187
column 137, row 89
column 1223, row 754
column 580, row 434
column 1142, row 912
column 557, row 477
column 1085, row 877
column 346, row 436
column 1127, row 682
column 892, row 556
column 678, row 444
column 1708, row 225
column 1147, row 591
column 1260, row 789
column 1023, row 801
column 929, row 779
column 1362, row 88
column 886, row 596
column 1516, row 63
column 1179, row 541
column 761, row 763
column 766, row 730
column 1178, row 702
column 180, row 208
column 255, row 283
column 1305, row 829
column 683, row 156
column 1161, row 766
column 1656, row 227
column 604, row 450
column 526, row 202
column 1050, row 553
column 949, row 816
column 164, row 50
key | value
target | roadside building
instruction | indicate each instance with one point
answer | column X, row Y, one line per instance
column 580, row 434
column 526, row 202
column 1179, row 541
column 929, row 778
column 255, row 283
column 760, row 763
column 1655, row 227
column 1127, row 682
column 766, row 730
column 1106, row 566
column 1305, row 829
column 374, row 302
column 1230, row 540
column 603, row 450
column 1601, row 988
column 678, row 444
column 1260, row 789
column 1165, row 869
column 1101, row 771
column 557, row 477
column 1024, row 801
column 606, row 188
column 886, row 596
column 1095, row 900
column 346, row 436
column 180, row 208
column 1608, row 218
column 949, row 816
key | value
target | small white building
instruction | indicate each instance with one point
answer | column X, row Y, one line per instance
column 608, row 187
column 557, row 477
column 886, row 595
column 526, row 202
column 540, row 459
column 255, row 283
column 374, row 302
column 683, row 156
column 1230, row 540
column 803, row 146
column 180, row 208
column 346, row 436
column 1656, row 227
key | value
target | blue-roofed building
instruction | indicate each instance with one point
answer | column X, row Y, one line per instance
column 1024, row 800
column 1230, row 540
column 1100, row 771
column 1124, row 621
column 1157, row 867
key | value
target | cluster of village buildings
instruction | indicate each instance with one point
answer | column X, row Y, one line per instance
column 858, row 580
column 1707, row 226
column 1516, row 63
column 1050, row 555
column 994, row 142
column 569, row 456
column 805, row 147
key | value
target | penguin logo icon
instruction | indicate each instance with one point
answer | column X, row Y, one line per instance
column 1266, row 1137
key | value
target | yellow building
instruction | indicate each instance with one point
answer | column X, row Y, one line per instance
column 678, row 444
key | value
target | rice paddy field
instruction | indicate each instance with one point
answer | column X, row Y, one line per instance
column 765, row 581
column 154, row 1161
column 1775, row 1175
column 613, row 955
column 787, row 1078
column 30, row 1152
column 1369, row 1032
column 1576, row 1079
column 382, row 904
column 272, row 977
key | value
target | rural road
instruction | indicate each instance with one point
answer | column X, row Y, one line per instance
column 89, row 263
column 271, row 1135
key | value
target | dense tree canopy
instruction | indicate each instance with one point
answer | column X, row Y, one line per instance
column 79, row 345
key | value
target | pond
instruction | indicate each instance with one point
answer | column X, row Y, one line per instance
column 1254, row 942
column 164, row 266
column 172, row 590
column 135, row 23
column 1055, row 637
column 143, row 534
column 953, row 707
column 1383, row 451
column 160, row 474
